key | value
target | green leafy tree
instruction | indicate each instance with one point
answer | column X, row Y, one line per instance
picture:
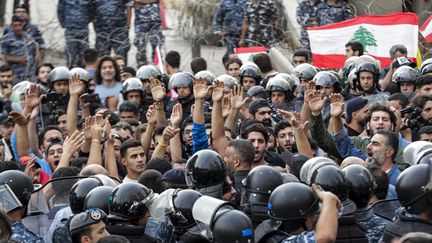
column 365, row 37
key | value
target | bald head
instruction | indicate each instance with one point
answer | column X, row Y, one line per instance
column 93, row 169
column 353, row 160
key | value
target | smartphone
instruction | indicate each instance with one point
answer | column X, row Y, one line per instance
column 93, row 98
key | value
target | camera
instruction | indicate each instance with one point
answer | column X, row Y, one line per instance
column 413, row 116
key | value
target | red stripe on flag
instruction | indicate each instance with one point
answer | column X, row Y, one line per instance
column 156, row 59
column 428, row 38
column 389, row 19
column 338, row 61
column 425, row 24
column 250, row 49
column 162, row 13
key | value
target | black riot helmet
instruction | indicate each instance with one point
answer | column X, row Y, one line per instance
column 297, row 197
column 361, row 184
column 98, row 198
column 205, row 169
column 410, row 188
column 232, row 226
column 331, row 179
column 367, row 67
column 250, row 70
column 254, row 183
column 19, row 183
column 405, row 74
column 129, row 201
column 182, row 204
column 327, row 78
column 257, row 191
column 79, row 192
column 58, row 74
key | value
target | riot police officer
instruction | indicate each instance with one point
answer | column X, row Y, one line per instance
column 328, row 83
column 221, row 222
column 280, row 92
column 205, row 171
column 367, row 81
column 296, row 223
column 256, row 191
column 414, row 190
column 88, row 226
column 361, row 188
column 180, row 216
column 98, row 198
column 129, row 210
column 15, row 196
column 250, row 75
column 405, row 78
column 133, row 90
column 331, row 178
column 182, row 83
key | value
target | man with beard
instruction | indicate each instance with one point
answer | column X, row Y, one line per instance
column 356, row 111
column 382, row 151
column 284, row 134
column 261, row 111
column 42, row 73
column 258, row 136
column 423, row 103
column 107, row 77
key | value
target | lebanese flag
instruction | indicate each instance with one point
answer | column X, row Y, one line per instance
column 245, row 54
column 377, row 33
column 426, row 29
column 158, row 61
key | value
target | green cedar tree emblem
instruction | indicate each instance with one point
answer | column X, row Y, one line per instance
column 365, row 37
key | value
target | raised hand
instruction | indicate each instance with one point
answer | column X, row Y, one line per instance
column 200, row 88
column 176, row 115
column 226, row 106
column 158, row 92
column 31, row 171
column 237, row 100
column 19, row 118
column 32, row 98
column 218, row 91
column 75, row 85
column 316, row 102
column 293, row 118
column 73, row 143
column 88, row 123
column 151, row 114
column 337, row 105
column 168, row 133
column 309, row 87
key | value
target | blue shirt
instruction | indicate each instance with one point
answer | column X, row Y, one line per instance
column 44, row 165
column 199, row 137
column 21, row 234
column 104, row 91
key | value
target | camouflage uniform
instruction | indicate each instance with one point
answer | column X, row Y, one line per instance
column 21, row 234
column 111, row 26
column 305, row 237
column 260, row 18
column 33, row 31
column 329, row 14
column 161, row 230
column 148, row 27
column 305, row 11
column 20, row 45
column 61, row 234
column 74, row 16
column 229, row 21
column 373, row 224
